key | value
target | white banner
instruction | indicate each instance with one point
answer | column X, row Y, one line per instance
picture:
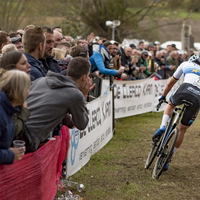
column 136, row 97
column 98, row 133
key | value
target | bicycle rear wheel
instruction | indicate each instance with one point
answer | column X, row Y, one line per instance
column 165, row 155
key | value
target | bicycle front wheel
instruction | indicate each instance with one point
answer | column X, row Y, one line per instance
column 165, row 155
column 152, row 155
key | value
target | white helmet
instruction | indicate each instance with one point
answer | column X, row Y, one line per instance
column 195, row 59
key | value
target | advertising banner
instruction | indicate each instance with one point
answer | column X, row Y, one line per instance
column 98, row 133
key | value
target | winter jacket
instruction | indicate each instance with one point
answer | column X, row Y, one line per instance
column 52, row 98
column 37, row 68
column 7, row 129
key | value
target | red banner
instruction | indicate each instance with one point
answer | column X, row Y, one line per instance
column 37, row 174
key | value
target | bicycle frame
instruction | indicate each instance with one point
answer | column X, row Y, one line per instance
column 173, row 124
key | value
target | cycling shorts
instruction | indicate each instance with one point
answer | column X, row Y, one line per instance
column 190, row 93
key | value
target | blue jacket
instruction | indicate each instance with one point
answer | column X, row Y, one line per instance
column 37, row 68
column 96, row 61
column 7, row 129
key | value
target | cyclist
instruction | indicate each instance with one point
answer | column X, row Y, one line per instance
column 188, row 90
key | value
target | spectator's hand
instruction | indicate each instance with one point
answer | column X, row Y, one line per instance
column 123, row 76
column 121, row 69
column 88, row 87
column 172, row 67
column 25, row 105
column 19, row 152
column 126, row 68
column 116, row 57
column 162, row 98
column 90, row 38
column 137, row 68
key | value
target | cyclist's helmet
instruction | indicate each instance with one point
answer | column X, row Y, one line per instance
column 195, row 59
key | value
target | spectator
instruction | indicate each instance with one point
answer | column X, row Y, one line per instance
column 76, row 51
column 29, row 26
column 168, row 49
column 116, row 57
column 4, row 39
column 143, row 66
column 171, row 63
column 160, row 61
column 21, row 32
column 59, row 55
column 17, row 41
column 14, row 88
column 57, row 28
column 14, row 34
column 48, row 60
column 132, row 46
column 68, row 38
column 7, row 48
column 180, row 57
column 68, row 103
column 64, row 45
column 151, row 47
column 174, row 47
column 15, row 60
column 157, row 46
column 57, row 38
column 141, row 46
column 126, row 61
column 101, row 56
column 79, row 51
column 34, row 46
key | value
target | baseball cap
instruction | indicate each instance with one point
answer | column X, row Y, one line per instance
column 150, row 45
column 15, row 40
column 156, row 42
column 145, row 53
column 173, row 45
column 132, row 45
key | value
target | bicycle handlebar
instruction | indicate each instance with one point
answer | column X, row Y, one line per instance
column 160, row 103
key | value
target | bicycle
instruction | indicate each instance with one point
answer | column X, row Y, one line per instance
column 163, row 149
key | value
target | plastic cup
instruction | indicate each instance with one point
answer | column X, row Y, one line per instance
column 18, row 144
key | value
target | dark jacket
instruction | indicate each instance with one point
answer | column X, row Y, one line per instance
column 51, row 64
column 7, row 129
column 126, row 61
column 37, row 68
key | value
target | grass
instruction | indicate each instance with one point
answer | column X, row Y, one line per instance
column 117, row 171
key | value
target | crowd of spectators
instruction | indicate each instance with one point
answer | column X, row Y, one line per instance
column 60, row 69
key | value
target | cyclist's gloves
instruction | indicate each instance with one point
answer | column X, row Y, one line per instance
column 162, row 98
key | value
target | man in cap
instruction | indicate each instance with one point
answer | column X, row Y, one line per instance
column 17, row 41
column 132, row 46
column 174, row 47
